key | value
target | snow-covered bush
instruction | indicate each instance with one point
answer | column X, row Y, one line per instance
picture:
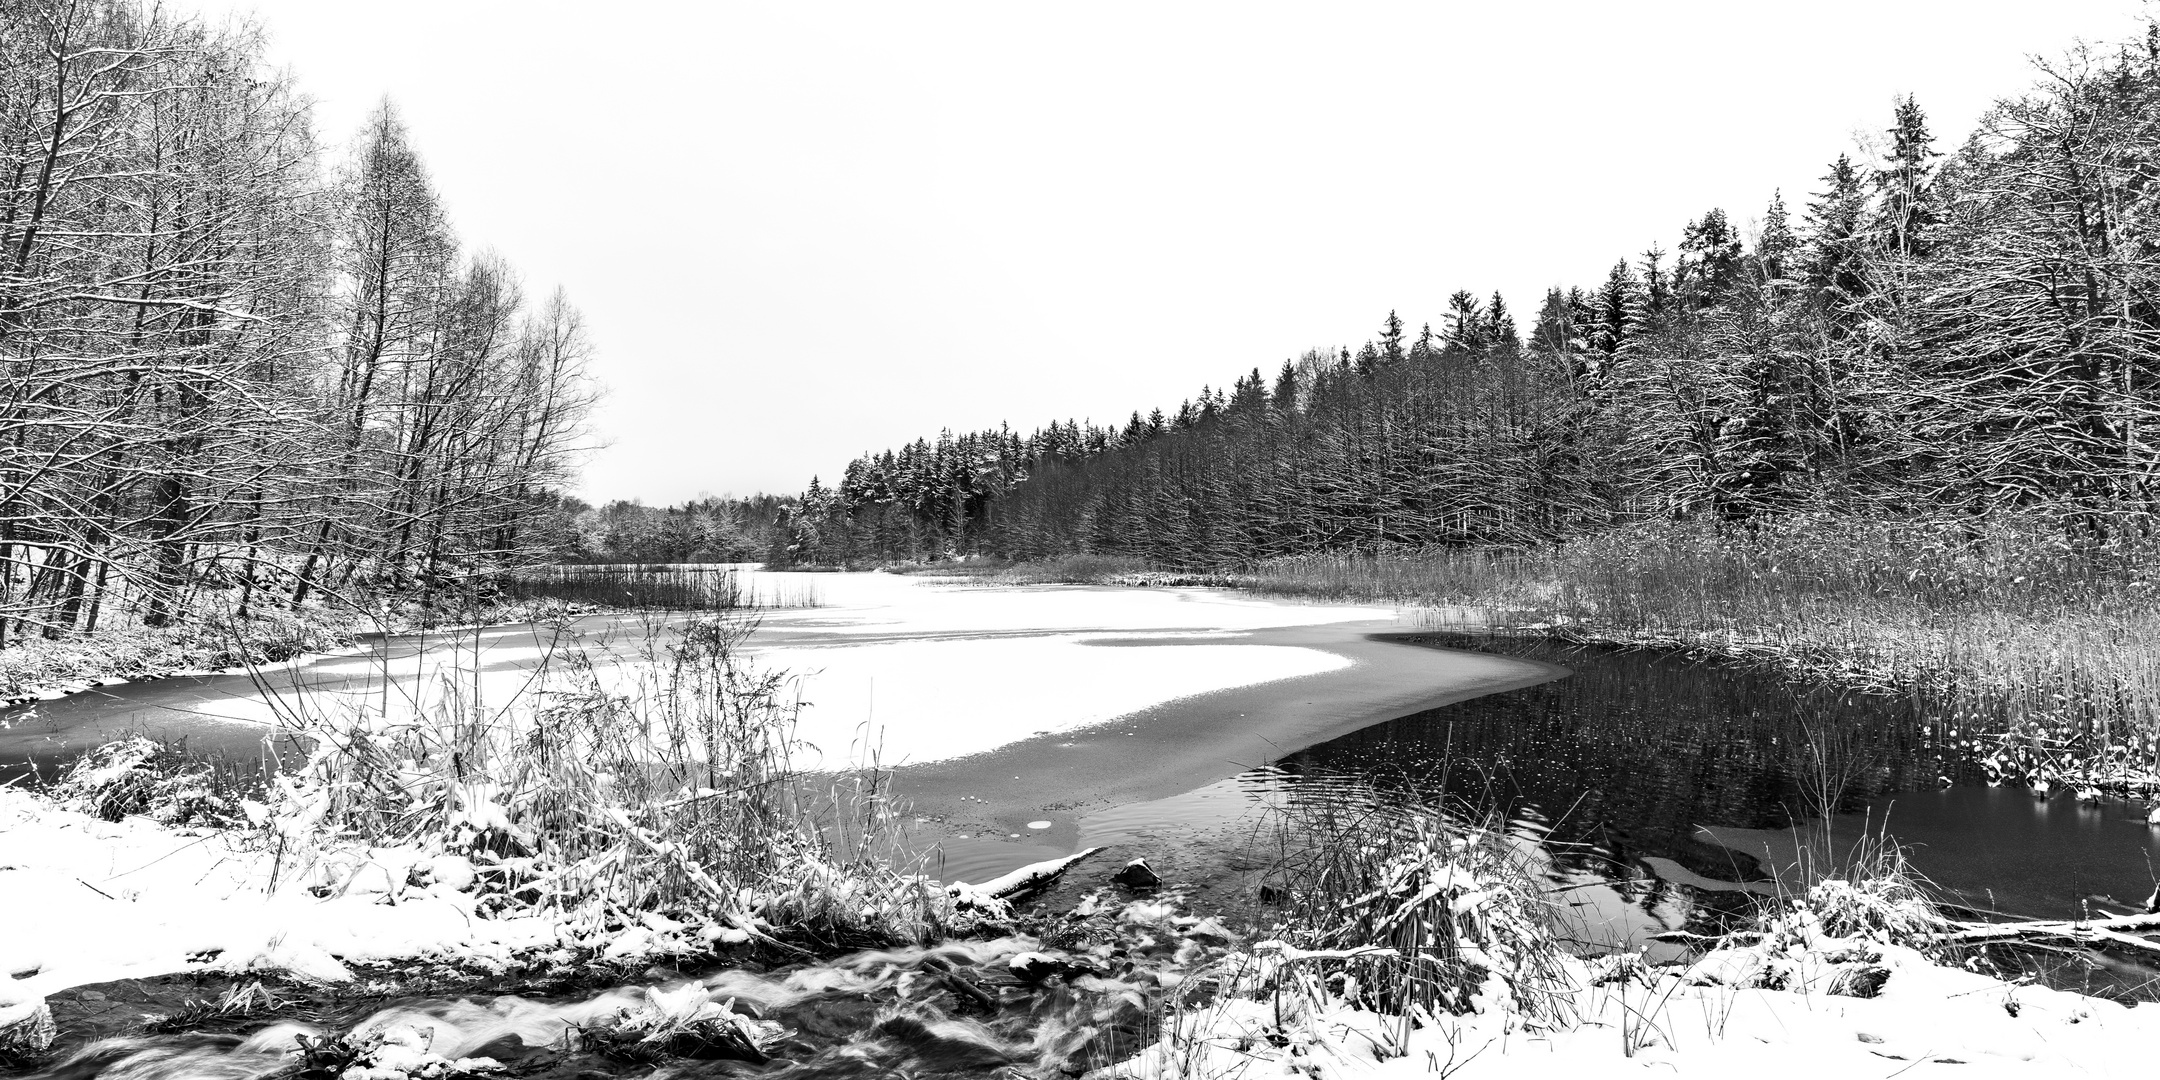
column 1454, row 908
column 603, row 794
column 139, row 776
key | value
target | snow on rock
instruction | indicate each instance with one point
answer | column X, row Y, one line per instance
column 26, row 1027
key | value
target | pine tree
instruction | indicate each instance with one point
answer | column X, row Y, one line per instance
column 1554, row 328
column 1619, row 319
column 1425, row 347
column 1391, row 334
column 1465, row 333
column 1775, row 246
column 1710, row 252
column 1282, row 398
column 1904, row 184
column 1657, row 289
column 1832, row 252
column 1500, row 335
column 1368, row 359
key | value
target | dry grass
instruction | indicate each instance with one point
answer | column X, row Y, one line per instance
column 2046, row 650
column 605, row 792
column 139, row 775
column 1446, row 909
column 640, row 587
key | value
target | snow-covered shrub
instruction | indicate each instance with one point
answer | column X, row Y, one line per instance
column 1879, row 896
column 604, row 793
column 1449, row 914
column 1399, row 922
column 139, row 776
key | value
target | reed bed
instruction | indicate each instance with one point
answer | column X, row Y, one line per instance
column 603, row 792
column 657, row 587
column 2047, row 650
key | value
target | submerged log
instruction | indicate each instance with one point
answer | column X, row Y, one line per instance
column 2119, row 930
column 998, row 892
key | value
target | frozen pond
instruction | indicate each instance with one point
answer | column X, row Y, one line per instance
column 903, row 671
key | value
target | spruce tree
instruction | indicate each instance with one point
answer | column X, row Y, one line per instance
column 1391, row 333
column 1283, row 397
column 1774, row 248
column 1465, row 331
column 1832, row 253
column 1549, row 335
column 1710, row 250
column 1620, row 317
column 1657, row 289
column 1500, row 335
column 1425, row 347
column 1904, row 184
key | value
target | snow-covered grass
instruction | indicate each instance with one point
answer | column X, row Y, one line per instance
column 1429, row 912
column 1837, row 981
column 610, row 813
column 2045, row 647
column 138, row 775
column 607, row 793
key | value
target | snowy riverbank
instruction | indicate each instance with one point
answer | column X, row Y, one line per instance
column 631, row 810
column 134, row 900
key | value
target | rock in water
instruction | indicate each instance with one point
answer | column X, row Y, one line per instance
column 1034, row 967
column 26, row 1027
column 1137, row 874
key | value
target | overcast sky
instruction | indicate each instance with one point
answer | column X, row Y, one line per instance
column 804, row 230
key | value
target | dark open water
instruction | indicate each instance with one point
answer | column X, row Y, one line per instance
column 1670, row 793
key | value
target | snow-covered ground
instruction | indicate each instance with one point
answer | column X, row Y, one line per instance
column 86, row 901
column 1712, row 1020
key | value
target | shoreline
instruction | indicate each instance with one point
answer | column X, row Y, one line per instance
column 434, row 899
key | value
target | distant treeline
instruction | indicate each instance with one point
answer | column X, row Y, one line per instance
column 233, row 366
column 1932, row 333
column 707, row 530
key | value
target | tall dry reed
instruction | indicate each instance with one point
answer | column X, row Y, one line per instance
column 604, row 788
column 2045, row 649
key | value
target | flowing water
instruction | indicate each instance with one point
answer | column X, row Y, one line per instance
column 961, row 1009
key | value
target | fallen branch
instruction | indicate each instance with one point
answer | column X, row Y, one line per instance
column 999, row 891
column 2114, row 930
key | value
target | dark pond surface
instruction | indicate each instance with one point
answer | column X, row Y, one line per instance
column 1728, row 771
column 1669, row 792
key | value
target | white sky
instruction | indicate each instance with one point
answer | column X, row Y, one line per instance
column 804, row 230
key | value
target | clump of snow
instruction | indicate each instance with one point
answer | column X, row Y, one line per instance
column 139, row 776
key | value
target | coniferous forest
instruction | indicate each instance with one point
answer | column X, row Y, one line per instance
column 1940, row 333
column 237, row 364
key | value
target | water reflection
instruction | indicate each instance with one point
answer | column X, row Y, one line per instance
column 1668, row 793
